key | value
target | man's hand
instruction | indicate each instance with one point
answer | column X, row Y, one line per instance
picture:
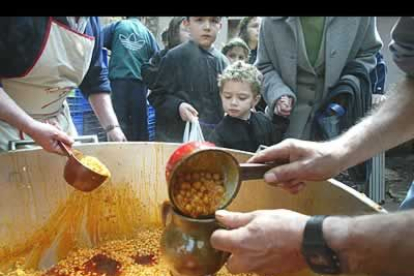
column 308, row 161
column 283, row 106
column 266, row 242
column 47, row 136
column 116, row 135
column 187, row 112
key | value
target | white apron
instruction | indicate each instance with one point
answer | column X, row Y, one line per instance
column 41, row 92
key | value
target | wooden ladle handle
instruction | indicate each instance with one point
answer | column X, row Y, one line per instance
column 252, row 171
column 65, row 149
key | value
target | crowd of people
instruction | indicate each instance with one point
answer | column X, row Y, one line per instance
column 282, row 79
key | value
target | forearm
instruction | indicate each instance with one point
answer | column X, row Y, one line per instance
column 11, row 113
column 373, row 244
column 388, row 126
column 102, row 106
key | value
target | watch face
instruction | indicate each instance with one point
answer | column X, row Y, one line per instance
column 319, row 260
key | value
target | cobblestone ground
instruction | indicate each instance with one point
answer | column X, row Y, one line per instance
column 399, row 173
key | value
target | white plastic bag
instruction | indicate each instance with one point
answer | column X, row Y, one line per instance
column 193, row 132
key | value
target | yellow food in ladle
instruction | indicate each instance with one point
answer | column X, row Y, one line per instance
column 94, row 164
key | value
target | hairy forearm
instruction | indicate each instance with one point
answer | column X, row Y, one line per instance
column 388, row 126
column 373, row 244
column 11, row 113
column 102, row 106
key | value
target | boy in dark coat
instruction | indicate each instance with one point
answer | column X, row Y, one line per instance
column 186, row 86
column 241, row 128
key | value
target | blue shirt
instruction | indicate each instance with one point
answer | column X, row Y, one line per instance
column 21, row 41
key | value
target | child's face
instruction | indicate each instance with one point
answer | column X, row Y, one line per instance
column 236, row 53
column 204, row 29
column 238, row 99
column 253, row 29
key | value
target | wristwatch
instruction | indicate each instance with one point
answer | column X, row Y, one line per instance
column 319, row 256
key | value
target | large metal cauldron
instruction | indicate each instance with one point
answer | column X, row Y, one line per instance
column 42, row 218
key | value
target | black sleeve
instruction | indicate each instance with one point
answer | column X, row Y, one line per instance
column 216, row 139
column 164, row 96
column 150, row 69
column 277, row 127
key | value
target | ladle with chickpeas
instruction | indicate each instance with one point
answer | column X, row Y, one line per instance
column 203, row 178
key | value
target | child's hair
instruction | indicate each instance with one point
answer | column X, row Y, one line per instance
column 243, row 28
column 164, row 37
column 242, row 72
column 173, row 32
column 188, row 17
column 236, row 42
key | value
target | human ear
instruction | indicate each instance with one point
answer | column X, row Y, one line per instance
column 256, row 100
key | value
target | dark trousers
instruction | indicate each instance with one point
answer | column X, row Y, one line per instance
column 129, row 98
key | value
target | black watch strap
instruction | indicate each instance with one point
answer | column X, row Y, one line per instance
column 319, row 256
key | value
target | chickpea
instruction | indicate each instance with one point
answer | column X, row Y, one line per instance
column 216, row 176
column 208, row 176
column 210, row 185
column 197, row 185
column 219, row 189
column 195, row 176
column 196, row 199
column 185, row 186
column 180, row 198
column 199, row 193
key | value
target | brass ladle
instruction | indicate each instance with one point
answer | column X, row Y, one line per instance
column 77, row 174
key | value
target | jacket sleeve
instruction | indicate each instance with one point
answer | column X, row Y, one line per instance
column 164, row 96
column 371, row 45
column 96, row 79
column 150, row 69
column 216, row 139
column 402, row 44
column 107, row 34
column 273, row 86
